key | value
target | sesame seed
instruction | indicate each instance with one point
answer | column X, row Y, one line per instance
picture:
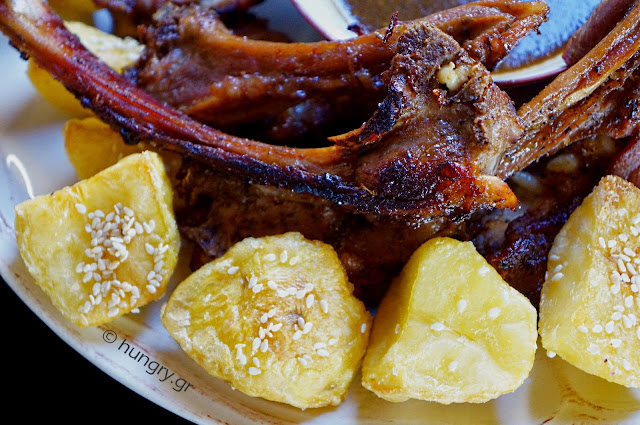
column 264, row 345
column 333, row 341
column 80, row 267
column 257, row 288
column 297, row 335
column 437, row 326
column 621, row 265
column 276, row 327
column 272, row 285
column 151, row 289
column 551, row 354
column 394, row 372
column 626, row 321
column 602, row 242
column 264, row 318
column 294, row 260
column 557, row 276
column 261, row 333
column 256, row 344
column 583, row 329
column 609, row 327
column 615, row 277
column 113, row 312
column 310, row 300
column 363, row 328
column 453, row 366
column 81, row 208
column 282, row 293
column 495, row 312
column 291, row 291
column 397, row 330
column 630, row 252
column 554, row 257
column 626, row 365
column 484, row 270
column 628, row 301
column 302, row 361
column 615, row 343
column 232, row 270
column 271, row 312
column 611, row 243
column 615, row 288
column 322, row 353
column 301, row 322
column 270, row 257
column 252, row 282
column 254, row 371
column 557, row 268
column 616, row 316
column 593, row 349
column 324, row 306
column 596, row 329
column 300, row 294
column 307, row 327
column 319, row 345
column 284, row 256
column 462, row 305
column 623, row 237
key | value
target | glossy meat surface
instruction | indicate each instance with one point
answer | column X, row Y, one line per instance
column 293, row 92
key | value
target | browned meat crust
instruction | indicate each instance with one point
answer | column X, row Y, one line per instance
column 603, row 19
column 583, row 100
column 426, row 187
column 295, row 92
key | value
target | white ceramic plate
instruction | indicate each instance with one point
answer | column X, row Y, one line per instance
column 332, row 19
column 33, row 162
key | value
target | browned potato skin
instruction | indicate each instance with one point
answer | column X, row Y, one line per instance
column 52, row 238
column 214, row 309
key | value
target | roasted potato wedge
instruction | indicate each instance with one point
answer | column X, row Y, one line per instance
column 92, row 146
column 450, row 330
column 590, row 304
column 276, row 318
column 105, row 246
column 116, row 52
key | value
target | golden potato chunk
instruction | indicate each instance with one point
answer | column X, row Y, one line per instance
column 590, row 304
column 276, row 318
column 450, row 330
column 92, row 146
column 116, row 52
column 105, row 246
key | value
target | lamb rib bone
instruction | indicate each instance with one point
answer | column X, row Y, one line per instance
column 407, row 187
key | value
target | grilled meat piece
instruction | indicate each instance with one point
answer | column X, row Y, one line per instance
column 295, row 93
column 585, row 99
column 393, row 176
column 216, row 210
column 549, row 191
column 602, row 21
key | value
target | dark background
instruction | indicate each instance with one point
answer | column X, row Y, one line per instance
column 47, row 379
